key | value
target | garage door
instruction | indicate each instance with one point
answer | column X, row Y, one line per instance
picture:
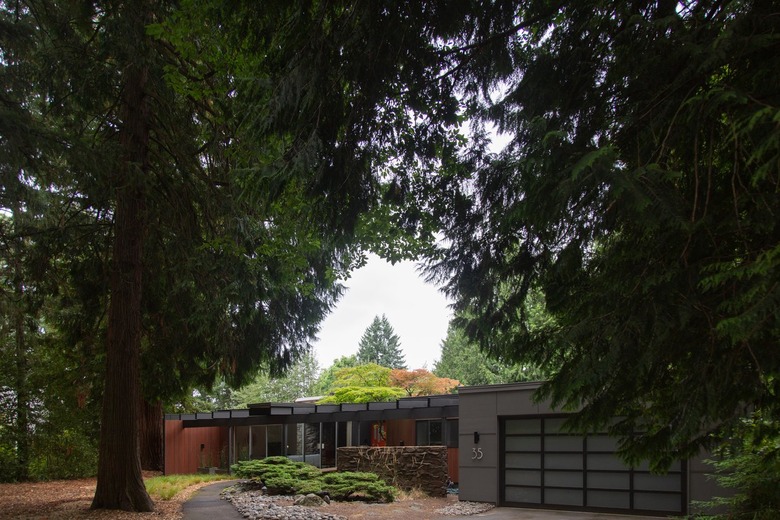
column 543, row 466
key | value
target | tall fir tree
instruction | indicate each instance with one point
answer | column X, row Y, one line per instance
column 381, row 345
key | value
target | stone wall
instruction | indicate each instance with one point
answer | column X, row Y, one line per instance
column 406, row 467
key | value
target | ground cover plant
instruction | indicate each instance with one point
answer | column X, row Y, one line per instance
column 282, row 476
column 166, row 487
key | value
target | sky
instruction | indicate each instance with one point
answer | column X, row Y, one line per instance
column 418, row 312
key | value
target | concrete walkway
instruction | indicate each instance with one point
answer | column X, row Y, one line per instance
column 205, row 504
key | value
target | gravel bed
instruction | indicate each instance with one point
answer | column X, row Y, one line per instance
column 465, row 508
column 253, row 504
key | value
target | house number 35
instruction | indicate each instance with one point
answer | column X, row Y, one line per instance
column 476, row 454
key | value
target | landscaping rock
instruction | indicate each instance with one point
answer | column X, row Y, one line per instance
column 310, row 500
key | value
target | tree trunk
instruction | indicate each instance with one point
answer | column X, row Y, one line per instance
column 120, row 483
column 22, row 426
column 151, row 431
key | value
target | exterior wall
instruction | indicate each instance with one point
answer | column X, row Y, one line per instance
column 401, row 432
column 703, row 488
column 452, row 464
column 183, row 454
column 478, row 477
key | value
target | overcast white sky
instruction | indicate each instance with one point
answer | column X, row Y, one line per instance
column 418, row 312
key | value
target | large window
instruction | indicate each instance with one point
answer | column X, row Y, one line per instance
column 437, row 432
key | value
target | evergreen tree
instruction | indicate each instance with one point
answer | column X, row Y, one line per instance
column 299, row 380
column 465, row 361
column 381, row 345
column 638, row 191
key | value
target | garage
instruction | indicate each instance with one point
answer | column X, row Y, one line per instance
column 544, row 466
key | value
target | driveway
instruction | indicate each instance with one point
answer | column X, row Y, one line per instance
column 206, row 505
column 514, row 513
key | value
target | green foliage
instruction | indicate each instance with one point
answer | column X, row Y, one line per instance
column 355, row 394
column 363, row 384
column 279, row 474
column 328, row 376
column 357, row 485
column 381, row 345
column 463, row 360
column 638, row 192
column 749, row 465
column 8, row 462
column 299, row 380
column 67, row 455
column 283, row 476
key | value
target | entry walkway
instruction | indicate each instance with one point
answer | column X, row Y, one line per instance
column 205, row 504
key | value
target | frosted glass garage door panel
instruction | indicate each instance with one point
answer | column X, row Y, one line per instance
column 533, row 443
column 563, row 497
column 563, row 460
column 605, row 462
column 524, row 426
column 563, row 443
column 647, row 482
column 608, row 480
column 523, row 460
column 554, row 425
column 521, row 494
column 609, row 499
column 517, row 477
column 602, row 443
column 657, row 502
column 572, row 479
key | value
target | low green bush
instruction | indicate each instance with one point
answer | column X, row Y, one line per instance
column 365, row 486
column 285, row 477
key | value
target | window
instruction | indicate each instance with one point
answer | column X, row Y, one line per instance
column 430, row 433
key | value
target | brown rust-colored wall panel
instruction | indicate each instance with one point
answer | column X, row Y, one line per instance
column 401, row 432
column 452, row 464
column 183, row 453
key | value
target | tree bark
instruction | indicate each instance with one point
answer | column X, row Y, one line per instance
column 120, row 483
column 151, row 432
column 22, row 426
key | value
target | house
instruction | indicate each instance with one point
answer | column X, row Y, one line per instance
column 502, row 448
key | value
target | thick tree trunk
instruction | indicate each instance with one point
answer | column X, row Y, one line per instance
column 21, row 362
column 151, row 432
column 22, row 368
column 120, row 484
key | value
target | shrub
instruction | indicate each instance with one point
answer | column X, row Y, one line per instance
column 69, row 455
column 352, row 485
column 285, row 477
column 279, row 474
column 7, row 463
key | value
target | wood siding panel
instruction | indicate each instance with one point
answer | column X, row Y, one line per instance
column 183, row 454
column 452, row 464
column 401, row 432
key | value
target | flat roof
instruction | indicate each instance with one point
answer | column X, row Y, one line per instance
column 422, row 407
